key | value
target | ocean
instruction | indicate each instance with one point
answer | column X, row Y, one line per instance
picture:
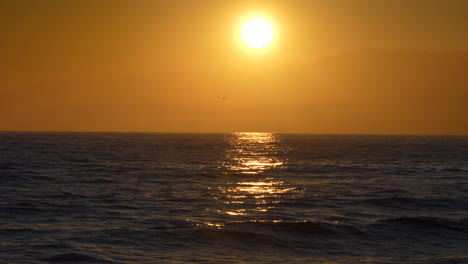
column 232, row 198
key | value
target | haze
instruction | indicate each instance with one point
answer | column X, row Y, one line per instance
column 361, row 66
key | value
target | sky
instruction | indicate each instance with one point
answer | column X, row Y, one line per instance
column 336, row 66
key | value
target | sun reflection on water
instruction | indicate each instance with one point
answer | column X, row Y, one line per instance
column 254, row 159
column 253, row 153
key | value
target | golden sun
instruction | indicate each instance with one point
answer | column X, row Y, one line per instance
column 256, row 33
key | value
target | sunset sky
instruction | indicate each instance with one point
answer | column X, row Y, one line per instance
column 335, row 66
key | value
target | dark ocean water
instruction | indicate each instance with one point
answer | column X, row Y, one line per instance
column 232, row 198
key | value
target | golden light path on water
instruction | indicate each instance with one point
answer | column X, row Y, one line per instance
column 253, row 153
column 253, row 189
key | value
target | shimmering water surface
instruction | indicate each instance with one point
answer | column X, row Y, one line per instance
column 232, row 198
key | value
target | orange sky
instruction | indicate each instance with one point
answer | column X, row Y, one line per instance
column 361, row 66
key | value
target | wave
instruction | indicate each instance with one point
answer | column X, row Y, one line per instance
column 100, row 181
column 65, row 195
column 78, row 158
column 20, row 231
column 427, row 223
column 20, row 210
column 9, row 165
column 418, row 203
column 75, row 258
column 283, row 234
column 391, row 191
column 310, row 231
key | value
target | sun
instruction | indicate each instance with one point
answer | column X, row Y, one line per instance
column 256, row 33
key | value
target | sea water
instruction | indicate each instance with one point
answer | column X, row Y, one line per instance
column 232, row 198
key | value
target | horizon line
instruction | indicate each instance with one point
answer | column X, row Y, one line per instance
column 229, row 132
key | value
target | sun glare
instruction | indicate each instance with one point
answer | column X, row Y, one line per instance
column 256, row 33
